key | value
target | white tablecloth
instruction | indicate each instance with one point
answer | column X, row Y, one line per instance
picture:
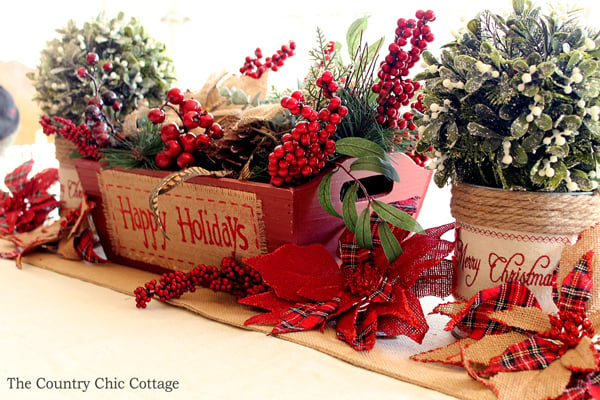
column 55, row 328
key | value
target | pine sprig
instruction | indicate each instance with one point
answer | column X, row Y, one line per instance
column 323, row 60
column 137, row 150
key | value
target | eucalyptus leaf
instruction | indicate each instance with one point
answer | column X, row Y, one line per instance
column 349, row 213
column 324, row 194
column 359, row 147
column 375, row 164
column 239, row 97
column 363, row 229
column 390, row 244
column 354, row 34
column 224, row 91
column 396, row 217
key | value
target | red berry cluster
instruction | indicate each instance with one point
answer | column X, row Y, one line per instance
column 254, row 67
column 327, row 84
column 408, row 135
column 567, row 330
column 81, row 136
column 305, row 150
column 239, row 280
column 96, row 117
column 180, row 145
column 393, row 88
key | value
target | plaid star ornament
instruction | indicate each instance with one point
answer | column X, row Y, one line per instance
column 520, row 351
column 365, row 297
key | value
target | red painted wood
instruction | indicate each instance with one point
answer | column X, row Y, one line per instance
column 291, row 215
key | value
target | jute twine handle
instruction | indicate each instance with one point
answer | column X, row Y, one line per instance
column 550, row 213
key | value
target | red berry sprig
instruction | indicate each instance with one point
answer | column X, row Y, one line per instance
column 80, row 135
column 407, row 135
column 237, row 279
column 180, row 145
column 305, row 150
column 255, row 68
column 327, row 84
column 393, row 88
column 97, row 119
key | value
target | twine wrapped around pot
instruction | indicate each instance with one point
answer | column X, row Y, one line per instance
column 63, row 150
column 506, row 236
column 549, row 213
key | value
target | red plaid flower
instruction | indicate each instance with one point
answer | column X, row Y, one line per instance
column 506, row 326
column 28, row 203
column 365, row 297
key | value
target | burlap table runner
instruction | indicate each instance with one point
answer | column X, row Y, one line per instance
column 388, row 357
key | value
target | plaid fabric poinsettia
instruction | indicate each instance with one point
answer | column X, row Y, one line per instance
column 521, row 351
column 27, row 203
column 70, row 237
column 365, row 297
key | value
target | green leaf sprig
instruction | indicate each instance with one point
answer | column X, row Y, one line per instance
column 368, row 156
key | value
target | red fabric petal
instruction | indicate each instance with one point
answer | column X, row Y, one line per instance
column 41, row 182
column 436, row 281
column 15, row 181
column 358, row 328
column 8, row 222
column 577, row 287
column 268, row 301
column 403, row 316
column 419, row 253
column 474, row 317
column 534, row 353
column 296, row 271
column 306, row 316
column 84, row 245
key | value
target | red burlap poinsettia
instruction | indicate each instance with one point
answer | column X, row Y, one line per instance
column 70, row 236
column 365, row 297
column 521, row 351
column 27, row 203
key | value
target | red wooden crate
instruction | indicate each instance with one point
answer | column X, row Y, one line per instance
column 287, row 215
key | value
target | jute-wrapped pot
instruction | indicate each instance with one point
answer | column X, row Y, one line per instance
column 71, row 191
column 515, row 236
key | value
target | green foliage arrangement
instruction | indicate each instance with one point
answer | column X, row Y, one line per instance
column 141, row 68
column 513, row 103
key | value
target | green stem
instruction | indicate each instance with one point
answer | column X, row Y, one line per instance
column 364, row 189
